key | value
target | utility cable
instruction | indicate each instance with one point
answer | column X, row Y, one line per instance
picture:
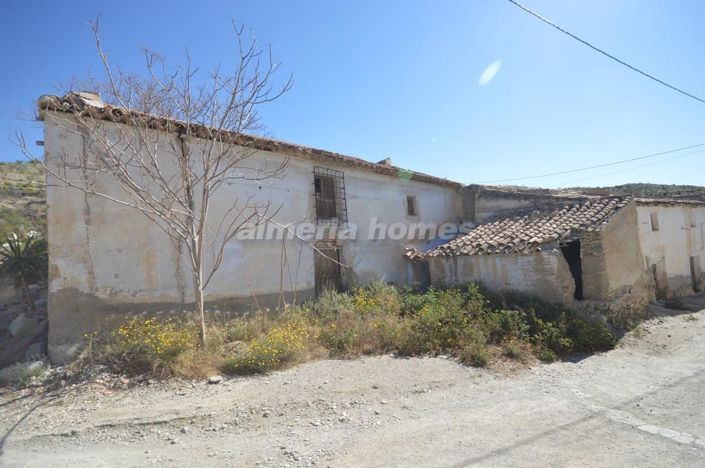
column 606, row 54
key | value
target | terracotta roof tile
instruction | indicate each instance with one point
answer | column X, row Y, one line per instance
column 90, row 105
column 526, row 233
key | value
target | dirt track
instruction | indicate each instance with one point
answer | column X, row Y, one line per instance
column 641, row 404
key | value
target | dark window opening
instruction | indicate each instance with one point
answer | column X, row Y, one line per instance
column 571, row 253
column 326, row 269
column 329, row 190
column 695, row 273
column 654, row 222
column 411, row 208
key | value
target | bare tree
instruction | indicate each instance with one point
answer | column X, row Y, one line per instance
column 173, row 140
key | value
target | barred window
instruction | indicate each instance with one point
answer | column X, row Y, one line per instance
column 329, row 189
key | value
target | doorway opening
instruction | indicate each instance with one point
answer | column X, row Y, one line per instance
column 658, row 271
column 421, row 275
column 326, row 269
column 571, row 253
column 695, row 273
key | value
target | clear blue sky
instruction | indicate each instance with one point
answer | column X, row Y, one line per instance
column 400, row 79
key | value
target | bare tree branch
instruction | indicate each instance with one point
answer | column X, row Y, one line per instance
column 171, row 142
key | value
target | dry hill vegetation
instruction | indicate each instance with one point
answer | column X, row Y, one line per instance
column 22, row 198
column 692, row 192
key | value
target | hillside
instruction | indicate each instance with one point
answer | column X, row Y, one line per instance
column 693, row 192
column 22, row 197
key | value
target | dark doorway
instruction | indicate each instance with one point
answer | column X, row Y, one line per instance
column 571, row 252
column 658, row 270
column 695, row 273
column 421, row 273
column 327, row 269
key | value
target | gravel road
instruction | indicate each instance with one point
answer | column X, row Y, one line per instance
column 640, row 404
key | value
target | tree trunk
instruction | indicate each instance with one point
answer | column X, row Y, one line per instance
column 200, row 309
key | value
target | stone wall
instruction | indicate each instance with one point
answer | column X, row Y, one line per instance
column 482, row 204
column 543, row 274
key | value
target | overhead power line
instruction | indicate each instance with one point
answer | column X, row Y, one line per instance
column 606, row 54
column 641, row 166
column 597, row 166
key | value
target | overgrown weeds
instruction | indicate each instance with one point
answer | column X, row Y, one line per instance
column 468, row 324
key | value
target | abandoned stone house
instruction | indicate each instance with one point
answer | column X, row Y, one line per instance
column 583, row 251
column 590, row 249
column 107, row 260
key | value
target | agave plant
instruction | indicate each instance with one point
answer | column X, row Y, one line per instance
column 24, row 260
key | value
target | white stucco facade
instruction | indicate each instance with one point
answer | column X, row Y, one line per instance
column 106, row 259
column 672, row 237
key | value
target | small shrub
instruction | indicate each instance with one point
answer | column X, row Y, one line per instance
column 439, row 326
column 590, row 336
column 474, row 352
column 378, row 298
column 547, row 355
column 147, row 346
column 551, row 336
column 331, row 303
column 247, row 327
column 518, row 350
column 28, row 375
column 504, row 324
column 342, row 337
column 353, row 335
column 281, row 344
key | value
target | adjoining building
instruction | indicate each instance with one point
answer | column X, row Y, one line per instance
column 585, row 251
column 672, row 237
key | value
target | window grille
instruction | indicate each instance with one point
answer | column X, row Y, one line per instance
column 329, row 190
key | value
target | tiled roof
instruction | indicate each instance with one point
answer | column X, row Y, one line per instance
column 90, row 105
column 527, row 233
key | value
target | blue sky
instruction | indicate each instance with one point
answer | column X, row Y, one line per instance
column 402, row 79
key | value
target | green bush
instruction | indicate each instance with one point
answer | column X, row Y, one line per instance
column 440, row 325
column 590, row 336
column 500, row 325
